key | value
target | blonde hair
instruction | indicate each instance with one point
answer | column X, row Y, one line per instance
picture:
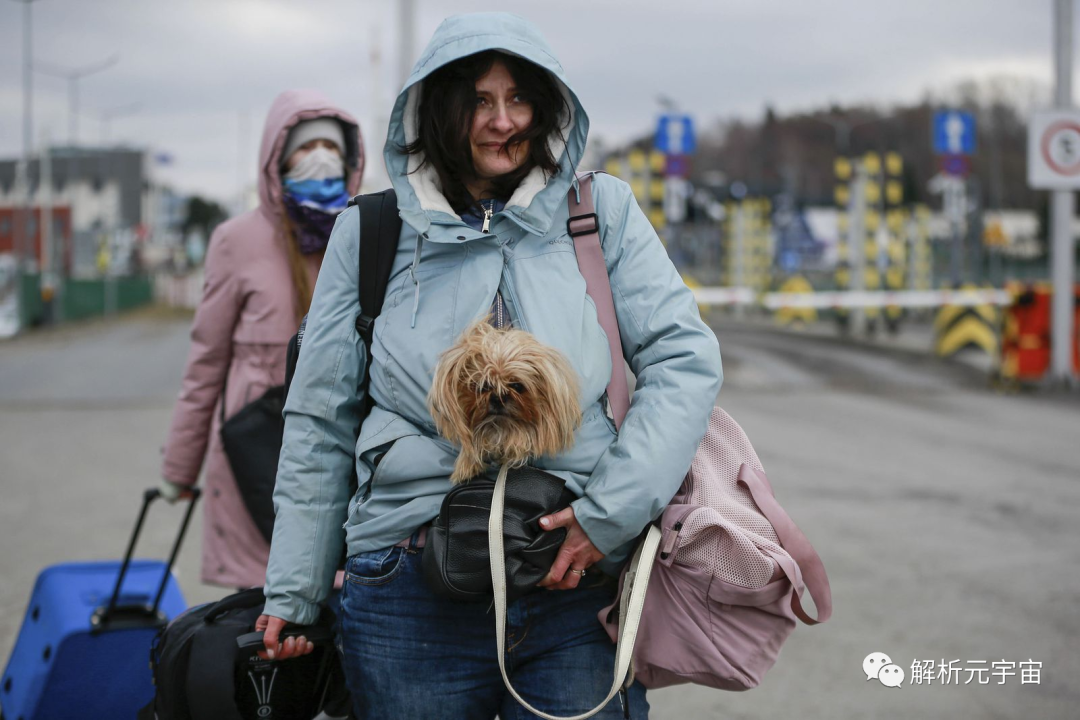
column 301, row 281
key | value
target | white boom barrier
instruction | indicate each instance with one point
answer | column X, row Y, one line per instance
column 725, row 296
column 853, row 298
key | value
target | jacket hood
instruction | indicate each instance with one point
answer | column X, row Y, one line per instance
column 534, row 203
column 288, row 109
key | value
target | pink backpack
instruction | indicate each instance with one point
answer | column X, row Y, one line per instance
column 712, row 593
column 724, row 590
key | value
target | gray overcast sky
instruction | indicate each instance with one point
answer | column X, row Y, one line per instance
column 203, row 72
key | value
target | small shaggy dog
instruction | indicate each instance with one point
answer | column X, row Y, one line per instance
column 503, row 397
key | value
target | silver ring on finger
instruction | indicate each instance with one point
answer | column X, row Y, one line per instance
column 580, row 572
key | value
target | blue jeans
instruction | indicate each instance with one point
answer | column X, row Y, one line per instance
column 410, row 654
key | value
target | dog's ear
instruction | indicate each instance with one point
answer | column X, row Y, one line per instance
column 557, row 414
column 444, row 397
column 453, row 397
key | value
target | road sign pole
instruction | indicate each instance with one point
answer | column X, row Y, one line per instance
column 646, row 179
column 740, row 252
column 1062, row 206
column 23, row 209
column 857, row 242
column 49, row 261
column 956, row 199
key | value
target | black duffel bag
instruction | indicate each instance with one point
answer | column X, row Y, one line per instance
column 456, row 560
column 252, row 442
column 201, row 672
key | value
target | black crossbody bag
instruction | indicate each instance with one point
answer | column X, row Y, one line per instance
column 455, row 562
column 252, row 437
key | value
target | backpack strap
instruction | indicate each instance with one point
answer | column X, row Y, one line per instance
column 584, row 227
column 380, row 228
column 381, row 225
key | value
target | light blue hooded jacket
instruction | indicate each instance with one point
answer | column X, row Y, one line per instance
column 445, row 276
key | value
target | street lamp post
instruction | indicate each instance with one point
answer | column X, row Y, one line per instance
column 73, row 76
column 406, row 36
column 22, row 238
column 107, row 116
column 1062, row 208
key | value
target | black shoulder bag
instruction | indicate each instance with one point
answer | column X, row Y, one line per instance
column 252, row 437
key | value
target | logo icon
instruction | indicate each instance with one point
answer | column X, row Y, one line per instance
column 263, row 692
column 891, row 676
column 879, row 666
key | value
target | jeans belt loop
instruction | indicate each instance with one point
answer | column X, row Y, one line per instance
column 417, row 540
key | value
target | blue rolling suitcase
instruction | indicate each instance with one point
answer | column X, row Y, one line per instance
column 84, row 648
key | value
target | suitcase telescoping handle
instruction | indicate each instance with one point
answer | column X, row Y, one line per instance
column 101, row 618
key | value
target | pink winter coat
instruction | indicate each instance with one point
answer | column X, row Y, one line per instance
column 241, row 330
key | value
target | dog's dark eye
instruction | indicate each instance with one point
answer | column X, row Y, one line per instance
column 486, row 387
column 517, row 387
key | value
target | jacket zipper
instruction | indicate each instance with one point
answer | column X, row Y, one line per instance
column 510, row 289
column 502, row 248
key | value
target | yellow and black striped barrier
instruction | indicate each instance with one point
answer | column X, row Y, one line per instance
column 957, row 327
column 791, row 315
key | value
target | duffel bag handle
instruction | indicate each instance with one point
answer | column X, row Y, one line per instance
column 797, row 546
column 317, row 634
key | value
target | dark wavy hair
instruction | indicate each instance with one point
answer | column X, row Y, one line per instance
column 445, row 114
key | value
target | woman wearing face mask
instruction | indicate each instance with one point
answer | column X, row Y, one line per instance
column 260, row 273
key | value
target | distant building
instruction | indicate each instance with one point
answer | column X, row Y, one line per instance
column 61, row 216
column 100, row 198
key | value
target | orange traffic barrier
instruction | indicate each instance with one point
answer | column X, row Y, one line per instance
column 1026, row 335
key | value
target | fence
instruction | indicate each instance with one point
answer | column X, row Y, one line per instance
column 81, row 299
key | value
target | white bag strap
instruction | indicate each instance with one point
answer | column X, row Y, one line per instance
column 632, row 602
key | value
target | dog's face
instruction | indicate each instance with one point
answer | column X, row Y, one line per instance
column 503, row 397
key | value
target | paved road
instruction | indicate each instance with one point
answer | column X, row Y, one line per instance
column 945, row 513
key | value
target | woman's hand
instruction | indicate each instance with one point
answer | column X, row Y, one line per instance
column 577, row 552
column 292, row 647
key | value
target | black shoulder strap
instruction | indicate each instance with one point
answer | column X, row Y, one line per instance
column 380, row 226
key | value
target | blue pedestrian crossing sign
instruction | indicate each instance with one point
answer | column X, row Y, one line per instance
column 675, row 135
column 954, row 132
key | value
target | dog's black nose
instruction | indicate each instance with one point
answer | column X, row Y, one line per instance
column 496, row 404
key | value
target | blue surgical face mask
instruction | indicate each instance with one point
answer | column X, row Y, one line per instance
column 319, row 164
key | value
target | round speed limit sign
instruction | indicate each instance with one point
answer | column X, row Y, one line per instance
column 1053, row 149
column 1060, row 147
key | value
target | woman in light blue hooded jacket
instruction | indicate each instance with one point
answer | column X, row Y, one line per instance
column 483, row 200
